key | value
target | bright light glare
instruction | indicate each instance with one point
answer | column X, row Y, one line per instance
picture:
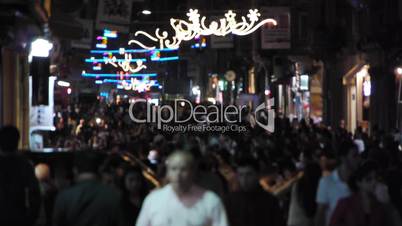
column 367, row 88
column 146, row 12
column 40, row 48
column 63, row 83
column 69, row 91
column 196, row 90
column 212, row 100
column 399, row 70
column 98, row 120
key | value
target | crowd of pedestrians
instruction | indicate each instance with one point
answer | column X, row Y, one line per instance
column 300, row 175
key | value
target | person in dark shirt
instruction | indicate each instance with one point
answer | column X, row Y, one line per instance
column 252, row 206
column 362, row 207
column 19, row 188
column 89, row 202
column 134, row 189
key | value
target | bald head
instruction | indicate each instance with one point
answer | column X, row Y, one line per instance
column 180, row 156
column 180, row 169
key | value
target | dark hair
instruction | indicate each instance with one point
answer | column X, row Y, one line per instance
column 362, row 171
column 136, row 170
column 87, row 161
column 307, row 188
column 9, row 137
column 248, row 162
column 346, row 146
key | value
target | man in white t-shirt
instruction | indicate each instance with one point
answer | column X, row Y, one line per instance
column 334, row 187
column 181, row 202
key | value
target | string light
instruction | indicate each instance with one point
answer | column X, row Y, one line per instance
column 166, row 58
column 105, row 60
column 195, row 27
column 125, row 64
column 98, row 51
column 84, row 74
column 134, row 84
column 139, row 85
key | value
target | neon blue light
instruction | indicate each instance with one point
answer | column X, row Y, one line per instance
column 104, row 94
column 98, row 82
column 131, row 50
column 115, row 81
column 117, row 60
column 197, row 45
column 101, row 46
column 128, row 81
column 165, row 58
column 117, row 75
column 109, row 33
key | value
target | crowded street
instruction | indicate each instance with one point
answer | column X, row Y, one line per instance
column 201, row 113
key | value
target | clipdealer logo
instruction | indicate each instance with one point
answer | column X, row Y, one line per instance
column 167, row 117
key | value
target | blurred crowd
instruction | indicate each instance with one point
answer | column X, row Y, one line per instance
column 125, row 173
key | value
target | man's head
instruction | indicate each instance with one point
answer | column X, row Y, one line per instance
column 86, row 162
column 180, row 169
column 248, row 174
column 9, row 137
column 364, row 178
column 42, row 172
column 348, row 154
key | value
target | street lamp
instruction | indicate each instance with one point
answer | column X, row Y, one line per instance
column 146, row 12
column 40, row 48
column 63, row 83
column 398, row 72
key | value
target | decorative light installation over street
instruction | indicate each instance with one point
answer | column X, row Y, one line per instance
column 195, row 26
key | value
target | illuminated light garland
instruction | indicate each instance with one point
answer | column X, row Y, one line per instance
column 118, row 75
column 134, row 84
column 114, row 81
column 125, row 63
column 131, row 50
column 165, row 58
column 94, row 60
column 139, row 85
column 188, row 30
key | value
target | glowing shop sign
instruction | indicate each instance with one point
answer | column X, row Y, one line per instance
column 195, row 27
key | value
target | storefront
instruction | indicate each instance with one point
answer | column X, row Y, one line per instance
column 357, row 88
column 301, row 97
